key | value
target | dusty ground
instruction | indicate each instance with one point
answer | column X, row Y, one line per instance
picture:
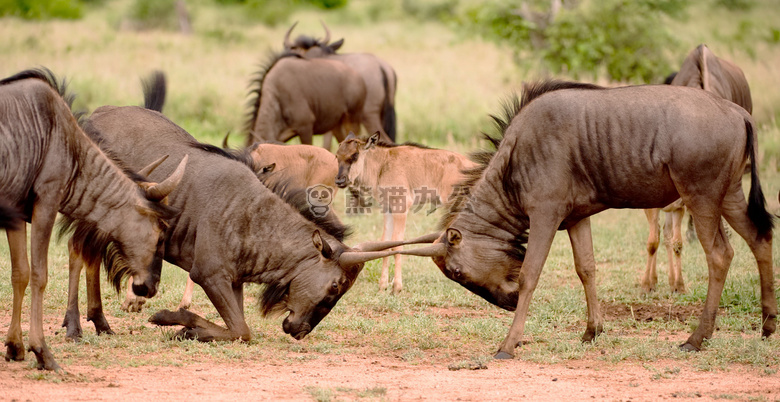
column 353, row 377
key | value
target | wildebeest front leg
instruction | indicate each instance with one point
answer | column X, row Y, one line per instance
column 540, row 237
column 44, row 214
column 650, row 278
column 387, row 233
column 133, row 303
column 674, row 245
column 72, row 321
column 95, row 301
column 222, row 295
column 20, row 277
column 585, row 264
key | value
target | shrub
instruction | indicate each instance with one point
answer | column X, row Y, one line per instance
column 41, row 9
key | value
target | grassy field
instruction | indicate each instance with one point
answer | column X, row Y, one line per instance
column 448, row 84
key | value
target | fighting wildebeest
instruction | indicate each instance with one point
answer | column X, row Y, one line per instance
column 700, row 69
column 232, row 230
column 48, row 165
column 282, row 167
column 398, row 177
column 571, row 150
column 378, row 75
column 293, row 96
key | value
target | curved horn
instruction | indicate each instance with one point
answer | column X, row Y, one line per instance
column 383, row 245
column 160, row 191
column 327, row 33
column 150, row 168
column 287, row 44
column 435, row 250
column 350, row 258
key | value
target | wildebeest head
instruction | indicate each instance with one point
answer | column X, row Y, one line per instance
column 477, row 248
column 309, row 46
column 349, row 153
column 320, row 283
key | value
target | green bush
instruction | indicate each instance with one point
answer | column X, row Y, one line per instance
column 41, row 9
column 625, row 39
column 154, row 14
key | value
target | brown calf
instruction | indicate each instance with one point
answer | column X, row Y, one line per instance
column 398, row 177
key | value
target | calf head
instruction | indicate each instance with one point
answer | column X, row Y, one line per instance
column 348, row 155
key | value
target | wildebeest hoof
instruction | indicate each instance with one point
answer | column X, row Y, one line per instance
column 14, row 352
column 501, row 355
column 133, row 305
column 687, row 347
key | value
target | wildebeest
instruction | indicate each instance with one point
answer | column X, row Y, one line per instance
column 571, row 150
column 398, row 177
column 701, row 69
column 282, row 167
column 48, row 165
column 379, row 76
column 133, row 302
column 294, row 96
column 302, row 166
column 232, row 230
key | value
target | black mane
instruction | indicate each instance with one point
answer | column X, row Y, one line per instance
column 295, row 197
column 47, row 76
column 256, row 86
column 511, row 107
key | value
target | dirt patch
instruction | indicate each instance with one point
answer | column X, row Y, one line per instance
column 353, row 377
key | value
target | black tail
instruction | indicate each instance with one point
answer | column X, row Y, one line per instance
column 388, row 109
column 10, row 218
column 154, row 91
column 757, row 212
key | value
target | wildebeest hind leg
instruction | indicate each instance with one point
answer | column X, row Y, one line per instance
column 585, row 264
column 735, row 212
column 20, row 277
column 714, row 241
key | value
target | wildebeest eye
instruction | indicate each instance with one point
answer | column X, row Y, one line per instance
column 334, row 287
column 456, row 273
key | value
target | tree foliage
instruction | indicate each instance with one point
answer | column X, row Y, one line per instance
column 625, row 39
column 41, row 9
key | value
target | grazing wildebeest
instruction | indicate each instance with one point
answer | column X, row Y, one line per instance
column 294, row 96
column 232, row 230
column 379, row 76
column 398, row 177
column 571, row 150
column 701, row 69
column 48, row 165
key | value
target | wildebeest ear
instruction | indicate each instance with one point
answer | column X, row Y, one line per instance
column 321, row 244
column 372, row 140
column 336, row 45
column 454, row 237
column 350, row 136
column 266, row 169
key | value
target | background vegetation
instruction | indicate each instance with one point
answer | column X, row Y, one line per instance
column 456, row 60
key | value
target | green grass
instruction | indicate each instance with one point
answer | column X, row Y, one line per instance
column 448, row 84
